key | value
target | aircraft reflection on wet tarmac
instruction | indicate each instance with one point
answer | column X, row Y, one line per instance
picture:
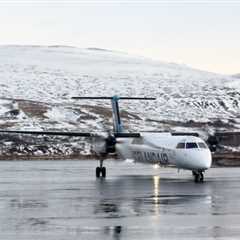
column 140, row 195
column 62, row 200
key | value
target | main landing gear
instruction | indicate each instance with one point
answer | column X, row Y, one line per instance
column 198, row 176
column 101, row 171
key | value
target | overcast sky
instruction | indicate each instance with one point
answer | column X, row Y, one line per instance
column 202, row 34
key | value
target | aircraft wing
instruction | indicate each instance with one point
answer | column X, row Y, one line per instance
column 71, row 134
column 52, row 133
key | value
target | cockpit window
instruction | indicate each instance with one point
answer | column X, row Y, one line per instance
column 181, row 145
column 202, row 145
column 191, row 145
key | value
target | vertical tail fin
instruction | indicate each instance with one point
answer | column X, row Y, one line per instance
column 117, row 125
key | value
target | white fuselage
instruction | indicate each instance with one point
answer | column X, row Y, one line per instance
column 183, row 152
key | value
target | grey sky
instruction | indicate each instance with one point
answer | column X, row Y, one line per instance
column 204, row 34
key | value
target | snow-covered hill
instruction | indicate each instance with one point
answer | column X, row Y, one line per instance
column 42, row 80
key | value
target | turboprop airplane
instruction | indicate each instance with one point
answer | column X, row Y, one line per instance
column 181, row 150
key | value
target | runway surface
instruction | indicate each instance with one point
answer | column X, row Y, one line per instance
column 63, row 200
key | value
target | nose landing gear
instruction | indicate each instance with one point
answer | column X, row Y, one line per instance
column 101, row 171
column 198, row 176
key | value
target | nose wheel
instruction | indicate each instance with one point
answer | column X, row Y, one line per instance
column 198, row 176
column 101, row 171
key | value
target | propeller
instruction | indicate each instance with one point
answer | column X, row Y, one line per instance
column 105, row 144
column 213, row 143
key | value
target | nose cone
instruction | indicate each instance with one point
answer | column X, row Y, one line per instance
column 196, row 160
column 207, row 161
column 202, row 160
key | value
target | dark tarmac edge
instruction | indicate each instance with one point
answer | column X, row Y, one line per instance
column 219, row 159
column 231, row 159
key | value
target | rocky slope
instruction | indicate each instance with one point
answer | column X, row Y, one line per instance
column 37, row 84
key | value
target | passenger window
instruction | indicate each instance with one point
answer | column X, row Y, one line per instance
column 191, row 145
column 181, row 145
column 202, row 145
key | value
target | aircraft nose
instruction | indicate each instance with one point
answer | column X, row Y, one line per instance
column 207, row 161
column 198, row 160
column 204, row 160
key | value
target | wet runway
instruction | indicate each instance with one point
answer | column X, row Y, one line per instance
column 63, row 200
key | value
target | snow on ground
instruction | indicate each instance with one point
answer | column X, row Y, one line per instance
column 54, row 74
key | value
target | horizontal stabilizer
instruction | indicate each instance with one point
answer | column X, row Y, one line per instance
column 116, row 97
column 194, row 134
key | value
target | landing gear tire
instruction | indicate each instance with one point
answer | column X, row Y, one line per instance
column 201, row 177
column 100, row 172
column 198, row 176
column 103, row 172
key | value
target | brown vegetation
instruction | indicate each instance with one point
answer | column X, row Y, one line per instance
column 33, row 109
